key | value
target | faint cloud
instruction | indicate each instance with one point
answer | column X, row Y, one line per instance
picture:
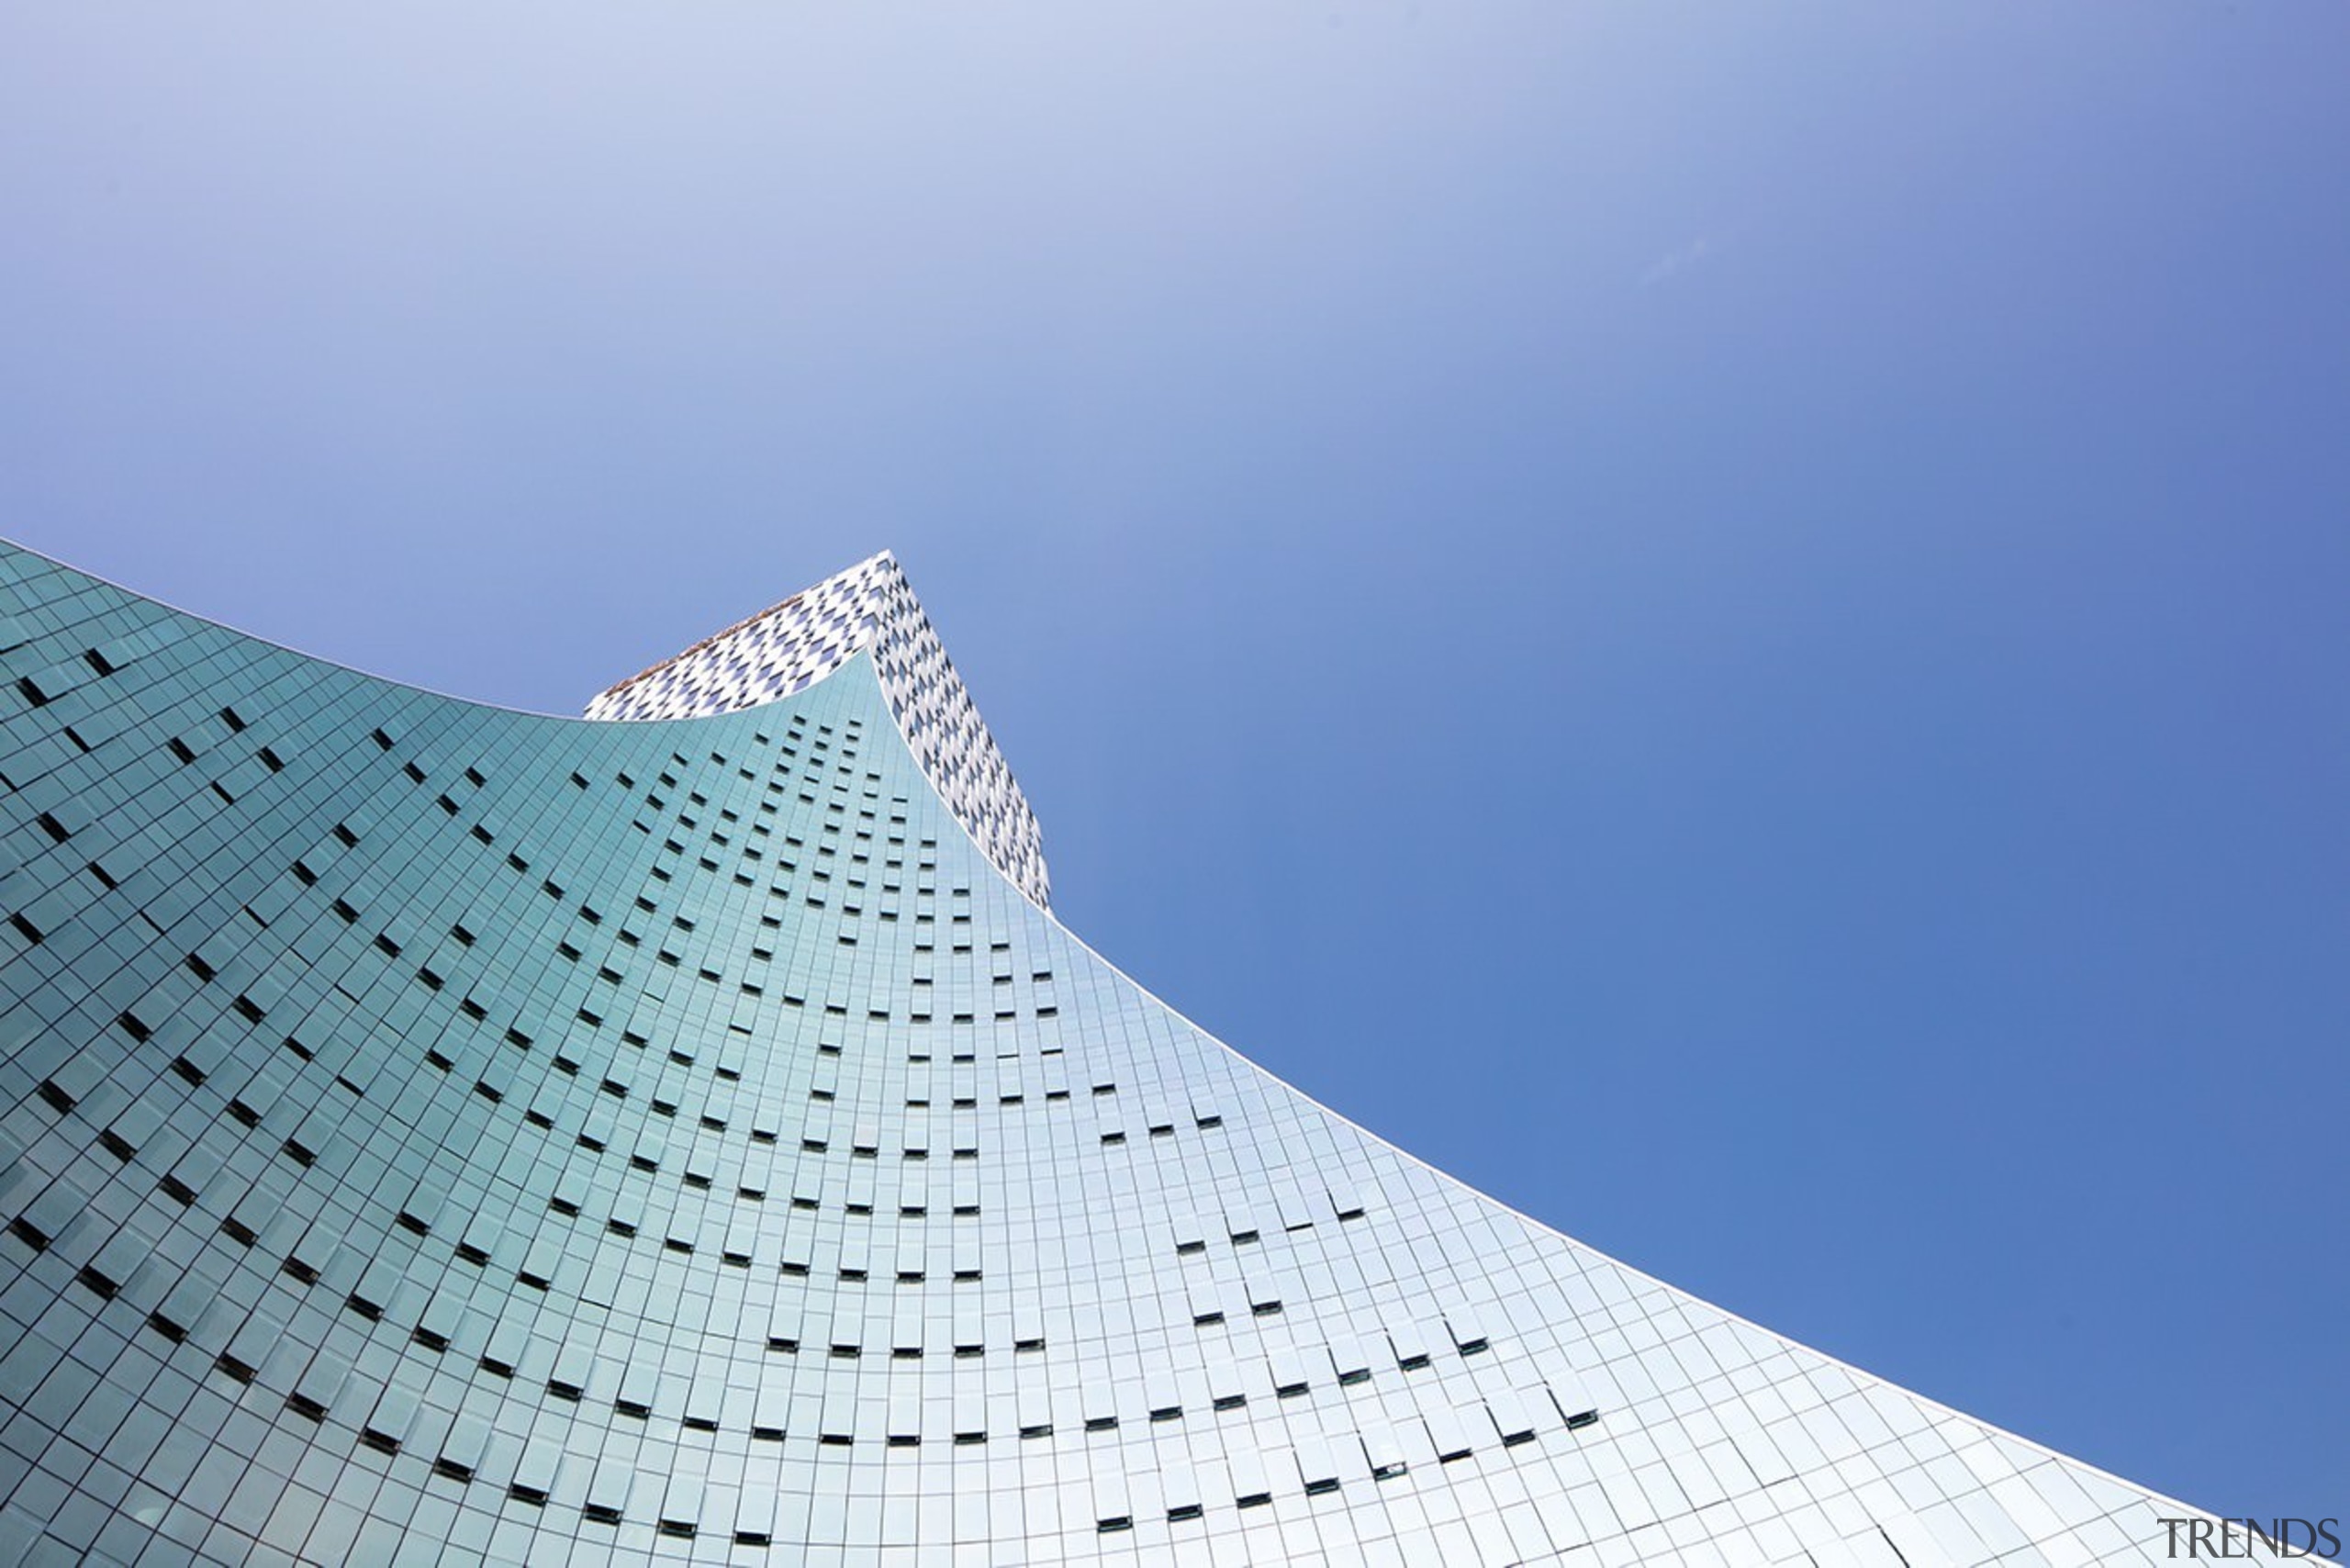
column 1680, row 261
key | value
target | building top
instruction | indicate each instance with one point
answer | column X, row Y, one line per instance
column 869, row 608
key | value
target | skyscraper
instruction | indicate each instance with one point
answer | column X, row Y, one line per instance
column 435, row 1133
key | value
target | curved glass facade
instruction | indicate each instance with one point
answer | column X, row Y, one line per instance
column 438, row 1133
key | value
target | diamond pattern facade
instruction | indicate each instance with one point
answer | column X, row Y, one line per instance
column 435, row 1134
column 866, row 608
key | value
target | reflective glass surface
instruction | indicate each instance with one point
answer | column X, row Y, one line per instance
column 437, row 1133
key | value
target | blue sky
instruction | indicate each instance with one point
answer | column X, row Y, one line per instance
column 1729, row 621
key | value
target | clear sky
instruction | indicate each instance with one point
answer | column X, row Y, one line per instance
column 1729, row 620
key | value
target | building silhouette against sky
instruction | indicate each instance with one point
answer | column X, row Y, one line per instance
column 440, row 1133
